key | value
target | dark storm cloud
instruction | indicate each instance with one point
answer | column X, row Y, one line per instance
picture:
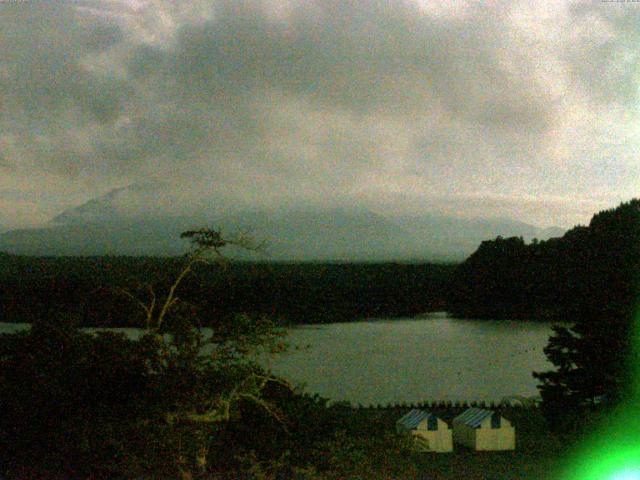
column 315, row 101
column 46, row 92
column 360, row 56
column 43, row 45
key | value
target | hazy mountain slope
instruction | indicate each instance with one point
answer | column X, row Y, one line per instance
column 98, row 227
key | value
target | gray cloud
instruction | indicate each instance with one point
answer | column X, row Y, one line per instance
column 44, row 44
column 320, row 101
column 605, row 60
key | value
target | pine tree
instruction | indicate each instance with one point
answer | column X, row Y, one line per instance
column 592, row 357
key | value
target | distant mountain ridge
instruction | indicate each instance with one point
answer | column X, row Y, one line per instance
column 98, row 210
column 98, row 227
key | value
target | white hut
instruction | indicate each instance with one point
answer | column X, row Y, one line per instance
column 429, row 432
column 484, row 430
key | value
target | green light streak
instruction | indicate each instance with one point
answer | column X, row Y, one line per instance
column 613, row 451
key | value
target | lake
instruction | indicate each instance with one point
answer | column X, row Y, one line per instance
column 412, row 360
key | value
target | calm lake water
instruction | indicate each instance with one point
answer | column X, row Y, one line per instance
column 413, row 360
column 418, row 359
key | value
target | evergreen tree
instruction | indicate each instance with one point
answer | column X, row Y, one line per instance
column 602, row 267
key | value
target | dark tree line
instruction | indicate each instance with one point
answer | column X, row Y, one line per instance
column 89, row 289
column 559, row 279
column 588, row 278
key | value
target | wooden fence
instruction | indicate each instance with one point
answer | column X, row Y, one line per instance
column 451, row 405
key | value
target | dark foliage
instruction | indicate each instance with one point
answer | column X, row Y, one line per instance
column 78, row 405
column 87, row 287
column 582, row 274
column 82, row 405
column 69, row 399
column 588, row 278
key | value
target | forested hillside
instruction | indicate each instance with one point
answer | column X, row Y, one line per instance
column 588, row 270
column 91, row 289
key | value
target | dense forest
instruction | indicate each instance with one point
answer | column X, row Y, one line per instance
column 589, row 269
column 91, row 289
column 589, row 279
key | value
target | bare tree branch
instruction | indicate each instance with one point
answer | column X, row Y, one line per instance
column 127, row 293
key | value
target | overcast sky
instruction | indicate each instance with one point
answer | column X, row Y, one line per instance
column 520, row 109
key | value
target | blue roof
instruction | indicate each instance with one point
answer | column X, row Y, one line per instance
column 473, row 416
column 412, row 419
